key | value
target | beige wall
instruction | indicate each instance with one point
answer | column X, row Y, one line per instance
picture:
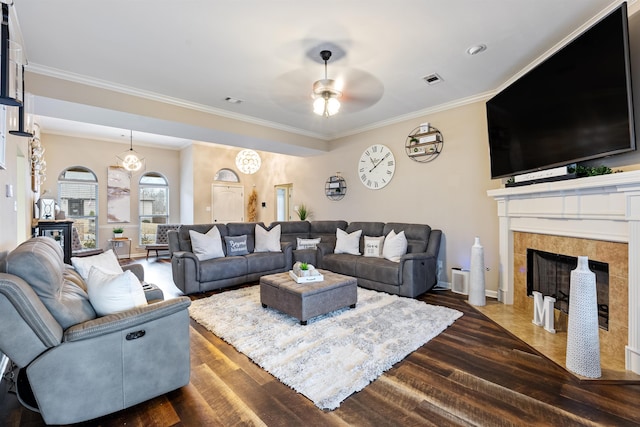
column 18, row 178
column 448, row 193
column 64, row 151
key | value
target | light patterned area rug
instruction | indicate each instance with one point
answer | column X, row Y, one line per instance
column 334, row 355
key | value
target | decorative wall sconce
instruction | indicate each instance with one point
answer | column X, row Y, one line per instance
column 38, row 163
column 25, row 114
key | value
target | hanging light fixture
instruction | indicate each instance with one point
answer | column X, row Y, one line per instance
column 130, row 160
column 21, row 115
column 325, row 92
column 248, row 161
column 10, row 60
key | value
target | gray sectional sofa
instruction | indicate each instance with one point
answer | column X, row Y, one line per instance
column 192, row 275
column 414, row 274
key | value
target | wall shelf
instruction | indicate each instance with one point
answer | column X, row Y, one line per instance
column 335, row 188
column 424, row 145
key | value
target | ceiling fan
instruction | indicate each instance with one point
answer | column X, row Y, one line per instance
column 356, row 89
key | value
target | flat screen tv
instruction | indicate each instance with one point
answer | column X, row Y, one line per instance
column 575, row 106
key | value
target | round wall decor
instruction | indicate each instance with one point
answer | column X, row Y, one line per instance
column 336, row 187
column 424, row 143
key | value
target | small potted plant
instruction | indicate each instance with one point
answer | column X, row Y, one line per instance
column 304, row 269
column 117, row 232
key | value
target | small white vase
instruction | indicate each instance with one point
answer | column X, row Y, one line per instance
column 477, row 295
column 583, row 339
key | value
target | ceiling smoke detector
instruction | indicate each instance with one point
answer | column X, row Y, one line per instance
column 233, row 100
column 432, row 79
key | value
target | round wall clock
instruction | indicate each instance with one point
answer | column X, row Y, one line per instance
column 376, row 166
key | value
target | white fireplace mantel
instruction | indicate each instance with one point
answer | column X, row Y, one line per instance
column 603, row 207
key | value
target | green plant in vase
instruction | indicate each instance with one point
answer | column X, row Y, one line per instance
column 117, row 232
column 303, row 212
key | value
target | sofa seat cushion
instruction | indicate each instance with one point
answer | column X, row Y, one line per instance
column 341, row 263
column 265, row 261
column 378, row 270
column 223, row 268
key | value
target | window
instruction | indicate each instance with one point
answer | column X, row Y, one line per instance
column 78, row 197
column 154, row 205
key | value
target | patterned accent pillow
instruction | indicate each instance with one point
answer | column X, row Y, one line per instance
column 373, row 246
column 236, row 245
column 307, row 243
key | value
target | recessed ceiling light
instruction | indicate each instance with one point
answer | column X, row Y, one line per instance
column 233, row 100
column 474, row 50
column 432, row 79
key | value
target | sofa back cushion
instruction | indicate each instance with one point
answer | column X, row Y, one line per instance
column 245, row 228
column 39, row 262
column 326, row 230
column 417, row 235
column 372, row 229
column 290, row 231
column 184, row 239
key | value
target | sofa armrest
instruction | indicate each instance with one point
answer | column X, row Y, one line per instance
column 185, row 268
column 287, row 250
column 136, row 269
column 323, row 249
column 125, row 320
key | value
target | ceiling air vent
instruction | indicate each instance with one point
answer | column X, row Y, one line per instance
column 432, row 79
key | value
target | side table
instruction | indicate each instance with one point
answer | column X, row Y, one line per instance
column 118, row 242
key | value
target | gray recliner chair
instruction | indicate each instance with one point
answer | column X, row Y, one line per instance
column 74, row 365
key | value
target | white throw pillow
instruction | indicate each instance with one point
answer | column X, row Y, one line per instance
column 112, row 293
column 307, row 243
column 268, row 241
column 106, row 261
column 373, row 246
column 347, row 243
column 206, row 246
column 395, row 245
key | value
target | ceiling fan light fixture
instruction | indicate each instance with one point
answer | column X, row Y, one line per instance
column 325, row 92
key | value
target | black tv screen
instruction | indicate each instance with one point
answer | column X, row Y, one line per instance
column 576, row 105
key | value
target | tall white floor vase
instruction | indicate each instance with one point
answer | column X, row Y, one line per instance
column 583, row 340
column 476, row 275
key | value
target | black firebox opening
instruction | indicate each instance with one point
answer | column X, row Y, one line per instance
column 550, row 274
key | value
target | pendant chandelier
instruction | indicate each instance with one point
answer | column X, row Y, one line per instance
column 130, row 160
column 325, row 93
column 10, row 63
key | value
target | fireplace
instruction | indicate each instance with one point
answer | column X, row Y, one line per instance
column 550, row 274
column 602, row 214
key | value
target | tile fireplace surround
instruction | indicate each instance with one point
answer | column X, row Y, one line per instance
column 602, row 208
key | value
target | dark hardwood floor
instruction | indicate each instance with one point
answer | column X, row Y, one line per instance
column 473, row 374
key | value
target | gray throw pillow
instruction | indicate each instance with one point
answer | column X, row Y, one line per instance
column 236, row 245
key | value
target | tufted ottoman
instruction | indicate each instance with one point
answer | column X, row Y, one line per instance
column 306, row 300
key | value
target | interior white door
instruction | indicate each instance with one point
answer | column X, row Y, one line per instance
column 227, row 203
